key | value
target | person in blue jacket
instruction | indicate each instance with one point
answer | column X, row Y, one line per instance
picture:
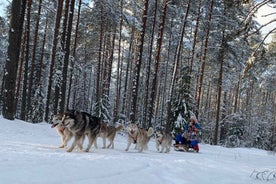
column 181, row 139
column 189, row 137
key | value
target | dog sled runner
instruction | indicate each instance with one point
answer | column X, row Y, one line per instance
column 184, row 148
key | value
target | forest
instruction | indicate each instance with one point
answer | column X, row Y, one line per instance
column 152, row 62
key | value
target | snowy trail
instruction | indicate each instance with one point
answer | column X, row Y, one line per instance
column 30, row 154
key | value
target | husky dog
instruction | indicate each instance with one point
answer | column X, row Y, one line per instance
column 138, row 136
column 64, row 133
column 81, row 124
column 108, row 132
column 164, row 140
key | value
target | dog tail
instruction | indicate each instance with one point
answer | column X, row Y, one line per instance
column 150, row 132
column 120, row 127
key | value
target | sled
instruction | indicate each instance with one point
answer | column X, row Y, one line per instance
column 184, row 148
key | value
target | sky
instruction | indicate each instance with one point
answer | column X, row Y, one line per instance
column 30, row 155
column 263, row 19
column 3, row 4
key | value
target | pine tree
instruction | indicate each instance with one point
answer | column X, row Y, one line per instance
column 15, row 34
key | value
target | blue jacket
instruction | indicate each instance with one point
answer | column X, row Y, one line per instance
column 197, row 125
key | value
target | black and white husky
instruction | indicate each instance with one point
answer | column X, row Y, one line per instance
column 81, row 124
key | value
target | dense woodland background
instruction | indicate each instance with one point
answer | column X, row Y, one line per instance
column 153, row 62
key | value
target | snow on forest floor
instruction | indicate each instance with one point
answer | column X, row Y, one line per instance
column 30, row 155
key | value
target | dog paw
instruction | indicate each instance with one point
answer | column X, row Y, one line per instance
column 69, row 150
column 86, row 150
column 61, row 146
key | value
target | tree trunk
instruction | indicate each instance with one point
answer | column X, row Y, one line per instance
column 15, row 34
column 67, row 56
column 166, row 76
column 237, row 96
column 107, row 72
column 26, row 100
column 32, row 77
column 202, row 71
column 176, row 64
column 39, row 74
column 195, row 37
column 60, row 58
column 20, row 72
column 98, row 71
column 25, row 78
column 128, row 69
column 53, row 58
column 135, row 81
column 222, row 51
column 65, row 24
column 157, row 59
column 74, row 55
column 148, row 68
column 118, row 81
column 31, row 74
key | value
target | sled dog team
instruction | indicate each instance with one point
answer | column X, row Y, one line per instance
column 81, row 124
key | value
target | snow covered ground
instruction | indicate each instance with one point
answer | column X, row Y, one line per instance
column 29, row 155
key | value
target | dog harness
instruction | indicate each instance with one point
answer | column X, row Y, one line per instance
column 134, row 138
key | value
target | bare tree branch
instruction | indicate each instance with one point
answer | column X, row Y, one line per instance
column 255, row 9
column 262, row 26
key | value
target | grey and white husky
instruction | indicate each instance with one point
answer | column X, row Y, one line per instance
column 163, row 140
column 108, row 132
column 81, row 124
column 138, row 136
column 64, row 132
